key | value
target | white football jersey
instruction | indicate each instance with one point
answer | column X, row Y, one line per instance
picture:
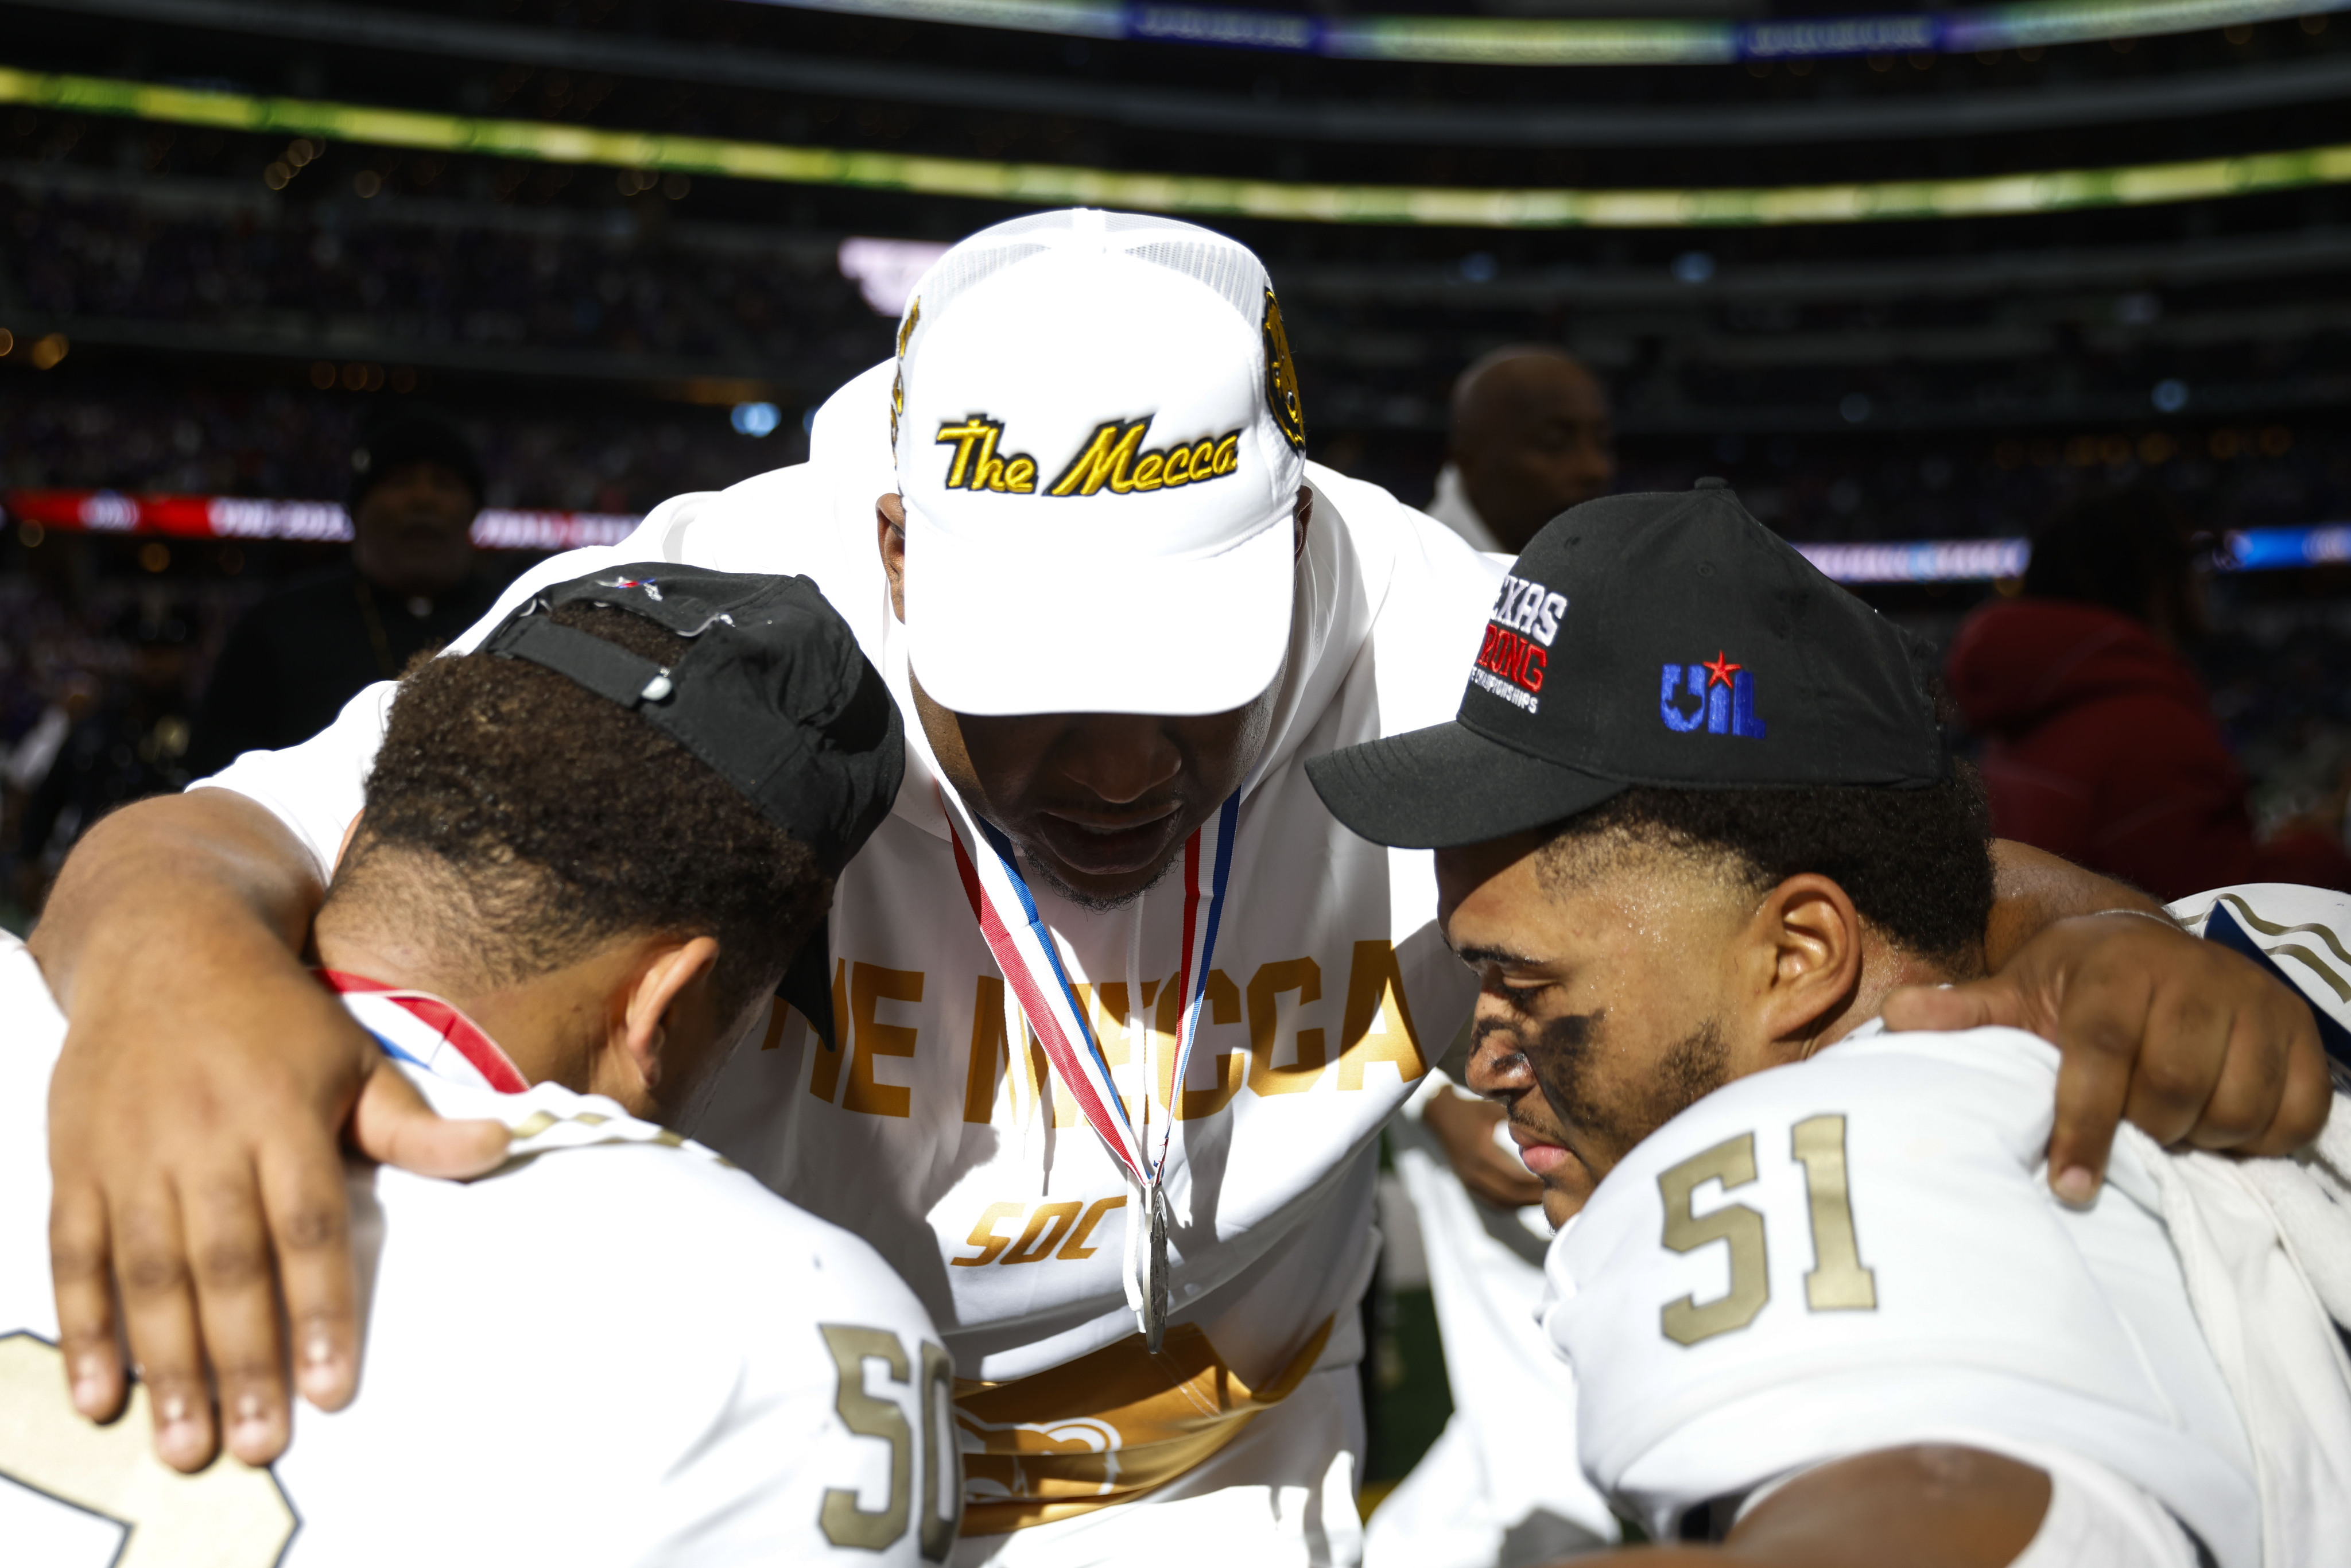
column 1329, row 992
column 616, row 1349
column 1860, row 1251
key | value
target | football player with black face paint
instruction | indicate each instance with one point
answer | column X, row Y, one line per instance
column 1821, row 1304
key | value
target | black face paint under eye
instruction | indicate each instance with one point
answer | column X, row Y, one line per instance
column 1561, row 1056
column 1684, row 1072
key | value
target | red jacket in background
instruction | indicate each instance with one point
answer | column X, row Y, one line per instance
column 2101, row 746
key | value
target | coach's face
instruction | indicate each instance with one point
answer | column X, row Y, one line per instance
column 1616, row 989
column 413, row 533
column 1100, row 802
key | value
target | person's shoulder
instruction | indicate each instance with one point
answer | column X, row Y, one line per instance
column 1373, row 515
column 1422, row 578
column 1942, row 1122
column 1859, row 1251
column 581, row 1165
column 2279, row 911
column 2302, row 934
column 2003, row 1078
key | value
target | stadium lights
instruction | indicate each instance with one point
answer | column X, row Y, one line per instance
column 1982, row 560
column 322, row 522
column 757, row 420
column 886, row 270
column 238, row 517
column 1050, row 185
column 1490, row 41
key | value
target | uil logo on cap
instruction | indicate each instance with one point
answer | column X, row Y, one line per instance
column 1725, row 693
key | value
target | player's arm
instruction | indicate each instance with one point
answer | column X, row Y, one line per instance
column 194, row 1117
column 204, row 1077
column 1924, row 1507
column 2184, row 1038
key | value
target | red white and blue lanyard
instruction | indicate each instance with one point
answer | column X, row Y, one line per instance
column 457, row 1031
column 1026, row 952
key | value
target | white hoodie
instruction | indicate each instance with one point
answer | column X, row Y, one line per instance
column 1332, row 992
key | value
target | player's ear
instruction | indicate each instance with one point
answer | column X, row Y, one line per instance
column 1814, row 936
column 672, row 980
column 890, row 534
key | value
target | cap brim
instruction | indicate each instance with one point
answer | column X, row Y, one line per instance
column 1446, row 786
column 993, row 632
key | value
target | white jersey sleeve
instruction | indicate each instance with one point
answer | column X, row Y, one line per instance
column 615, row 1350
column 1859, row 1252
column 2301, row 933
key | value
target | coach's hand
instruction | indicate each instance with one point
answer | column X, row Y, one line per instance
column 194, row 1119
column 2191, row 1041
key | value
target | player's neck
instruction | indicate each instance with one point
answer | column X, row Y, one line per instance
column 553, row 1026
column 1885, row 969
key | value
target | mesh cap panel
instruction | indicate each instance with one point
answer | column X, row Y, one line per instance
column 964, row 268
column 1227, row 268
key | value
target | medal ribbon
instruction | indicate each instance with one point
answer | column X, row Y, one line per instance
column 1024, row 949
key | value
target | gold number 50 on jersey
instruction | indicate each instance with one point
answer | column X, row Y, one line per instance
column 1838, row 1281
column 941, row 1486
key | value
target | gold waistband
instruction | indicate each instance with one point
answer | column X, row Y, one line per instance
column 1106, row 1427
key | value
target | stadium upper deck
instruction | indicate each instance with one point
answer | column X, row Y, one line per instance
column 1993, row 346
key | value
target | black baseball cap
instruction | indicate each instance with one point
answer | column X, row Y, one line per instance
column 1660, row 640
column 774, row 696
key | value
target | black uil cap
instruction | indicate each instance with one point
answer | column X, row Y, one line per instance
column 773, row 694
column 1660, row 640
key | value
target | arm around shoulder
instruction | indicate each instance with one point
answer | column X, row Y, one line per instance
column 194, row 1120
column 2183, row 1038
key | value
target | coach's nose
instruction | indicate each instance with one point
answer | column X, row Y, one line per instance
column 1118, row 758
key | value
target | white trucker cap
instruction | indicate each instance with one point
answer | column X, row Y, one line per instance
column 1100, row 448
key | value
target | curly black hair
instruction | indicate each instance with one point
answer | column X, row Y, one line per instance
column 562, row 820
column 1915, row 862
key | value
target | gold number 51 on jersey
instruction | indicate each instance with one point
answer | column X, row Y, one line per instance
column 1838, row 1281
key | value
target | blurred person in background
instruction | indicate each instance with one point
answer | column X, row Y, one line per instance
column 2101, row 745
column 1532, row 434
column 412, row 584
column 104, row 743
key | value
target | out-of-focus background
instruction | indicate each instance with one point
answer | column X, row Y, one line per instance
column 1932, row 282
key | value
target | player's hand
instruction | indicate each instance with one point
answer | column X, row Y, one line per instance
column 2190, row 1041
column 193, row 1123
column 1465, row 1126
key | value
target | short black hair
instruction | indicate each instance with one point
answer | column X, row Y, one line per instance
column 564, row 820
column 1915, row 862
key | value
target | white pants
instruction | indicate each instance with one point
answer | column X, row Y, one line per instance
column 1282, row 1495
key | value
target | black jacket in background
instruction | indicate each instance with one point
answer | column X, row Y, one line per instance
column 297, row 656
